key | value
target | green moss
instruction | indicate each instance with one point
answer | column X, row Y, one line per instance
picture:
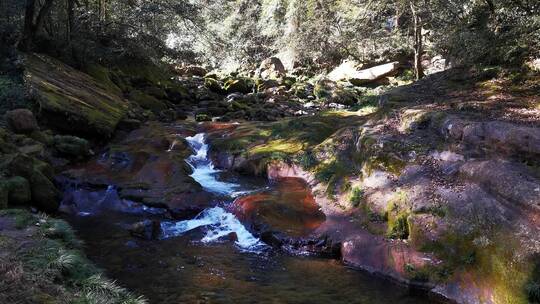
column 147, row 102
column 397, row 213
column 490, row 257
column 203, row 117
column 103, row 75
column 356, row 196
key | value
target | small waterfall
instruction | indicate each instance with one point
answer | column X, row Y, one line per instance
column 217, row 222
column 203, row 169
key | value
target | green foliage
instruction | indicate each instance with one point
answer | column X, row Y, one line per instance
column 356, row 196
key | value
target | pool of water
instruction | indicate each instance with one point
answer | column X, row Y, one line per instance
column 185, row 269
column 213, row 258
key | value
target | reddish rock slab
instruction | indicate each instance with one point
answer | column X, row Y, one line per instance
column 289, row 208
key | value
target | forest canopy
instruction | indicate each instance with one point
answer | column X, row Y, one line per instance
column 313, row 33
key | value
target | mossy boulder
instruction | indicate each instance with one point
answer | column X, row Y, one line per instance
column 19, row 192
column 213, row 84
column 147, row 102
column 104, row 76
column 72, row 146
column 72, row 101
column 203, row 117
column 44, row 194
column 239, row 85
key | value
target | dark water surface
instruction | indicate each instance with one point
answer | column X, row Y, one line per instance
column 182, row 270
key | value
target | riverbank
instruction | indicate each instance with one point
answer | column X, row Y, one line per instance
column 42, row 261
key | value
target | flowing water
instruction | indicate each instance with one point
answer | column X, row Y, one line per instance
column 213, row 258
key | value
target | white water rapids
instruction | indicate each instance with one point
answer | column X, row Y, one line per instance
column 216, row 221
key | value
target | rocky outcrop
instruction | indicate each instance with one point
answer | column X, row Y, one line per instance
column 70, row 100
column 147, row 166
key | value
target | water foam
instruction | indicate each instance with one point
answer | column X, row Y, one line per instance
column 218, row 223
column 204, row 171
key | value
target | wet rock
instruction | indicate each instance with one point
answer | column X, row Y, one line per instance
column 22, row 121
column 290, row 209
column 147, row 229
column 232, row 237
column 72, row 146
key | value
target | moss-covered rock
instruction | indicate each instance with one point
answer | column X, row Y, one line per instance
column 72, row 146
column 238, row 85
column 44, row 194
column 213, row 84
column 203, row 117
column 19, row 191
column 147, row 102
column 72, row 101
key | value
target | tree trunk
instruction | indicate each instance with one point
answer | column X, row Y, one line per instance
column 418, row 43
column 33, row 23
column 28, row 30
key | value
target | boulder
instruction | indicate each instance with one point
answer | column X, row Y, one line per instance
column 147, row 102
column 70, row 100
column 147, row 229
column 22, row 121
column 345, row 71
column 290, row 209
column 72, row 146
column 19, row 191
column 348, row 72
column 192, row 70
column 271, row 68
column 44, row 194
column 213, row 84
column 238, row 85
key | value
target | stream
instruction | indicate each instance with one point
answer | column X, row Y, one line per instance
column 213, row 257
